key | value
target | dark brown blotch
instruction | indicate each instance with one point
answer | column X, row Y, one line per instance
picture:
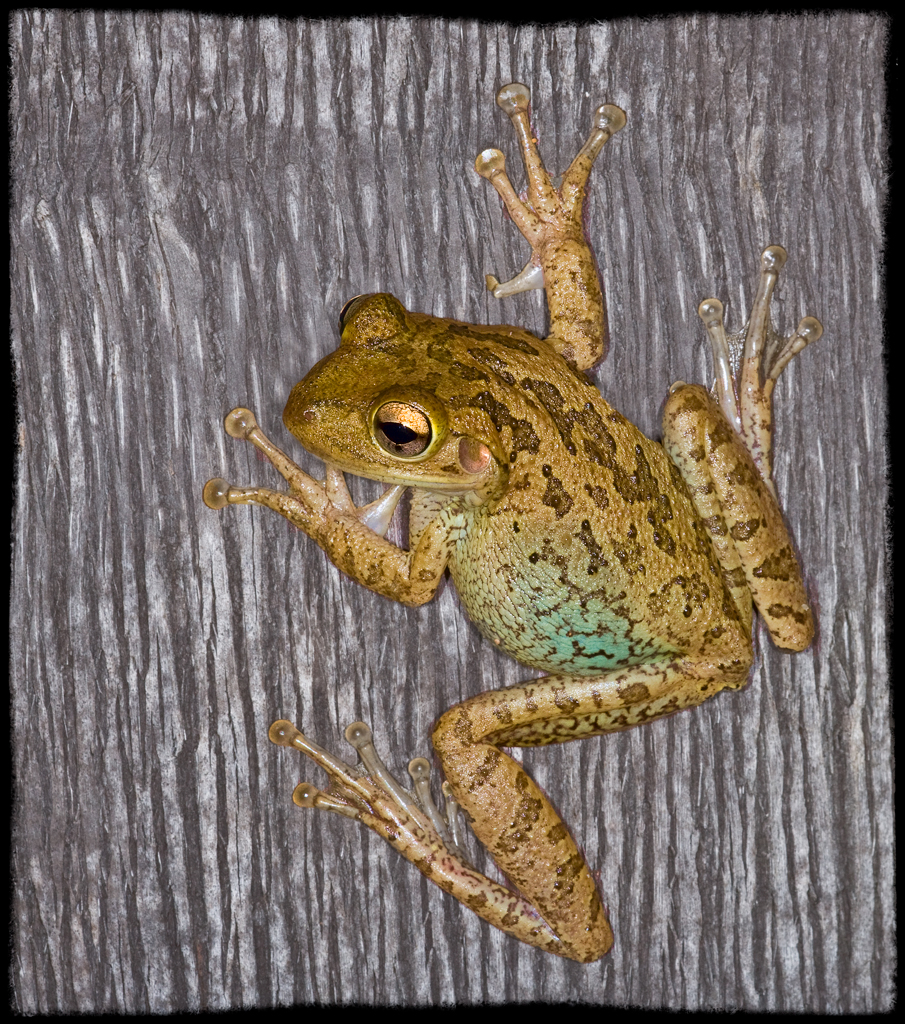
column 556, row 496
column 598, row 495
column 469, row 373
column 744, row 531
column 524, row 438
column 781, row 565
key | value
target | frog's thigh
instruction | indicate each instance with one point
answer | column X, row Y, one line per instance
column 558, row 708
column 744, row 520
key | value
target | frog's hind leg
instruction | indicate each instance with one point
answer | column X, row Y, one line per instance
column 551, row 219
column 723, row 449
column 511, row 815
column 412, row 824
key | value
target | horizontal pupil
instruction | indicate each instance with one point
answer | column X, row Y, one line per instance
column 398, row 433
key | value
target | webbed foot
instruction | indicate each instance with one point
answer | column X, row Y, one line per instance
column 413, row 825
column 748, row 363
column 550, row 218
column 306, row 496
column 375, row 797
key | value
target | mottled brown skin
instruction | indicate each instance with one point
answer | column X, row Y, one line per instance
column 623, row 568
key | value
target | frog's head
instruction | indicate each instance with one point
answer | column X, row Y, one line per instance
column 383, row 406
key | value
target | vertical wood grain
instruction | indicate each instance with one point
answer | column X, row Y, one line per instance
column 194, row 199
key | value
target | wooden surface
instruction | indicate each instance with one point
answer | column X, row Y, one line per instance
column 194, row 200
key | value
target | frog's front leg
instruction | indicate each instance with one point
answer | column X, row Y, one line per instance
column 552, row 222
column 351, row 537
column 723, row 448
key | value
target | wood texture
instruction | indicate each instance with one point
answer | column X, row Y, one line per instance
column 194, row 200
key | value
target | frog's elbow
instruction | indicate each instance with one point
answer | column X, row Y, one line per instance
column 420, row 591
column 791, row 628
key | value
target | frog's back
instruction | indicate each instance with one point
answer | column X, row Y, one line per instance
column 594, row 537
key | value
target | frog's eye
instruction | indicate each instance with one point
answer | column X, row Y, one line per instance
column 402, row 430
column 408, row 422
column 347, row 310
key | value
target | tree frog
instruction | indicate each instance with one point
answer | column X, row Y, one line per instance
column 623, row 569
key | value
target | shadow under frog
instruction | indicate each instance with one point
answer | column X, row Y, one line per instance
column 624, row 569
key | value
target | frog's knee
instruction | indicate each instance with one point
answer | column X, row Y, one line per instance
column 443, row 732
column 687, row 399
column 687, row 408
column 458, row 730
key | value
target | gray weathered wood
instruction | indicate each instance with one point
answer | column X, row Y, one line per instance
column 194, row 199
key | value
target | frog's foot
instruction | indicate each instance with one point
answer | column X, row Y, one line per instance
column 729, row 470
column 747, row 364
column 374, row 797
column 550, row 219
column 307, row 497
column 414, row 826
